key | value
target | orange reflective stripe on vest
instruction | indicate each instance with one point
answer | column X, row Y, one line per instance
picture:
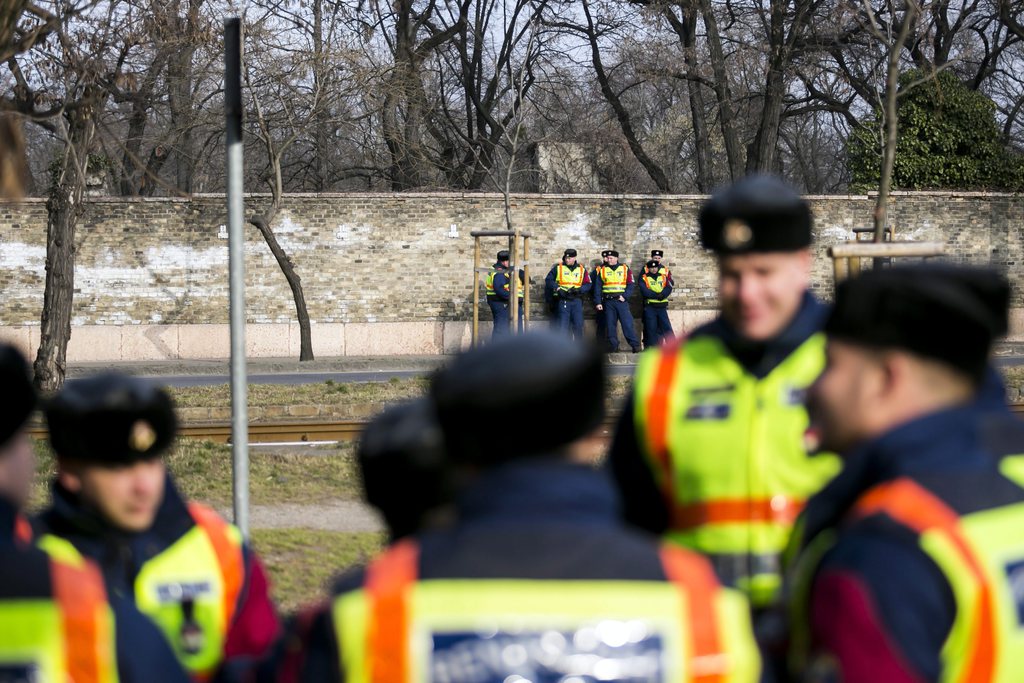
column 229, row 556
column 86, row 622
column 658, row 410
column 389, row 579
column 22, row 530
column 913, row 506
column 613, row 279
column 693, row 574
column 570, row 277
column 778, row 509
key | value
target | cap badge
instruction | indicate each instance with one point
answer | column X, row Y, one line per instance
column 736, row 234
column 142, row 436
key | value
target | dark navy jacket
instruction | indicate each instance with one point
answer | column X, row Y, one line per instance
column 142, row 652
column 879, row 602
column 501, row 280
column 530, row 519
column 643, row 502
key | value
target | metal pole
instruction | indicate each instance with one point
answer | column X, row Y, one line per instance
column 526, row 283
column 513, row 289
column 476, row 289
column 236, row 271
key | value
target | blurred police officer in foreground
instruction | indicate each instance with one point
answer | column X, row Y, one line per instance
column 403, row 467
column 114, row 502
column 536, row 580
column 56, row 622
column 565, row 285
column 912, row 559
column 710, row 446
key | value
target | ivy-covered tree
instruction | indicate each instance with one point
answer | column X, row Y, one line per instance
column 948, row 139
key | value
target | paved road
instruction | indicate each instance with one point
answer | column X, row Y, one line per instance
column 318, row 377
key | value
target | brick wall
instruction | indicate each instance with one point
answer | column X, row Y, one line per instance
column 370, row 259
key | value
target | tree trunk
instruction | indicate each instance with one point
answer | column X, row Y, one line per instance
column 764, row 149
column 63, row 209
column 262, row 223
column 321, row 83
column 723, row 93
column 686, row 30
column 621, row 113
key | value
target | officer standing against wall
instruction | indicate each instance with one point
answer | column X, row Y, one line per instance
column 56, row 620
column 567, row 282
column 657, row 255
column 537, row 580
column 655, row 288
column 613, row 287
column 498, row 292
column 497, row 295
column 600, row 330
column 710, row 448
column 185, row 568
column 911, row 561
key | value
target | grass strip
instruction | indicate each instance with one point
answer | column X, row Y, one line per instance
column 302, row 562
column 202, row 471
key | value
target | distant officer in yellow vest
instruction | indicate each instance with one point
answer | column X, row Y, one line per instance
column 57, row 622
column 114, row 502
column 538, row 580
column 709, row 449
column 911, row 561
column 655, row 284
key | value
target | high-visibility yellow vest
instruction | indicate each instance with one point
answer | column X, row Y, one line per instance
column 68, row 636
column 489, row 285
column 656, row 284
column 569, row 278
column 727, row 451
column 981, row 554
column 398, row 629
column 190, row 590
column 613, row 279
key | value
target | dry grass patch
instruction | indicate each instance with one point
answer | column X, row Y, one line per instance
column 302, row 562
column 202, row 471
column 320, row 393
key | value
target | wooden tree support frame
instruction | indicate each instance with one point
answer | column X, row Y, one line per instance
column 514, row 239
column 846, row 258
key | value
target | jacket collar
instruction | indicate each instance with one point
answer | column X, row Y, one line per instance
column 541, row 489
column 946, row 441
column 760, row 358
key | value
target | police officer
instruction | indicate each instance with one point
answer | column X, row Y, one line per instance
column 537, row 580
column 911, row 560
column 497, row 299
column 657, row 255
column 655, row 288
column 56, row 621
column 710, row 447
column 613, row 286
column 503, row 288
column 566, row 283
column 599, row 316
column 113, row 501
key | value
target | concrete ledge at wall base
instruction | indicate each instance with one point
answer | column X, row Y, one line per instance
column 129, row 343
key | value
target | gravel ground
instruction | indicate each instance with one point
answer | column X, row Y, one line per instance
column 344, row 515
